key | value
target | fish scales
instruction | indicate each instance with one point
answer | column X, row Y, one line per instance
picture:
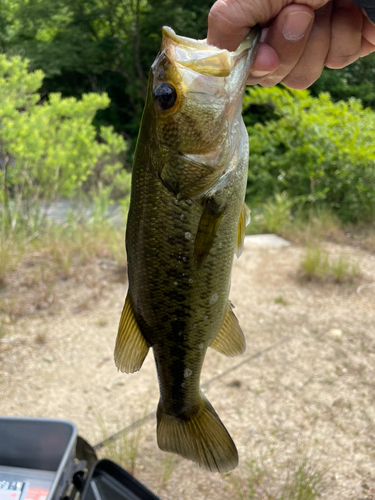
column 188, row 188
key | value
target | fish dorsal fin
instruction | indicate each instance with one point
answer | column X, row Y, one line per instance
column 207, row 229
column 230, row 340
column 242, row 223
column 131, row 347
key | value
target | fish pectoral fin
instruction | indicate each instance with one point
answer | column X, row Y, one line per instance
column 201, row 438
column 131, row 347
column 207, row 229
column 242, row 223
column 230, row 340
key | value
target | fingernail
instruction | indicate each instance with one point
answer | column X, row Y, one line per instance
column 259, row 74
column 296, row 24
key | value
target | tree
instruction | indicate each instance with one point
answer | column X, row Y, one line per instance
column 356, row 80
column 100, row 46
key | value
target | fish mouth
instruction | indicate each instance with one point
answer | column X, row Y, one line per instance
column 203, row 58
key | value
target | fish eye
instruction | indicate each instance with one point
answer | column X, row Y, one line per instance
column 165, row 95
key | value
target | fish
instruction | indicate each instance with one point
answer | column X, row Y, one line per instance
column 186, row 220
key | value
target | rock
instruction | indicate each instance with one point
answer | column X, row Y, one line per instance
column 266, row 240
column 336, row 333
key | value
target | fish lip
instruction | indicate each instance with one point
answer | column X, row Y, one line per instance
column 191, row 53
column 251, row 39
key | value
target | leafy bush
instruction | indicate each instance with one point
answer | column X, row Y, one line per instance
column 320, row 152
column 51, row 149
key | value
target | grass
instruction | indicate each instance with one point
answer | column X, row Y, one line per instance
column 318, row 265
column 297, row 478
column 307, row 227
column 124, row 450
column 277, row 213
column 168, row 466
column 280, row 300
column 34, row 259
column 271, row 217
column 343, row 270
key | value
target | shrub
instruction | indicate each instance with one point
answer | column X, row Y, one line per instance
column 322, row 153
column 50, row 149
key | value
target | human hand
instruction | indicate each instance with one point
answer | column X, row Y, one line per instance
column 298, row 40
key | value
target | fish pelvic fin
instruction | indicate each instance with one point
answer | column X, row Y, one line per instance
column 230, row 340
column 201, row 438
column 131, row 347
column 242, row 223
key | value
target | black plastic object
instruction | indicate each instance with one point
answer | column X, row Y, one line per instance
column 108, row 481
column 84, row 451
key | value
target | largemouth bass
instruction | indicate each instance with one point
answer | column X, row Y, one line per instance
column 186, row 220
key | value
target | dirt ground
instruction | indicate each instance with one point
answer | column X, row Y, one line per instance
column 303, row 392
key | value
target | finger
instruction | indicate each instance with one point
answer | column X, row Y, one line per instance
column 346, row 34
column 366, row 48
column 230, row 21
column 266, row 62
column 368, row 36
column 310, row 65
column 287, row 36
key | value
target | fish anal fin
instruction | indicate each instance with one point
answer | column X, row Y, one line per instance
column 131, row 347
column 201, row 438
column 207, row 229
column 230, row 340
column 244, row 221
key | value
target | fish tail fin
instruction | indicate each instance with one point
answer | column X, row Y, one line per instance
column 201, row 438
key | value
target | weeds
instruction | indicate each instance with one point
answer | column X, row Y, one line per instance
column 274, row 216
column 277, row 212
column 307, row 227
column 317, row 264
column 280, row 300
column 125, row 449
column 303, row 483
column 33, row 259
column 343, row 270
column 168, row 466
column 295, row 479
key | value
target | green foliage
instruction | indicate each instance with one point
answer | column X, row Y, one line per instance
column 99, row 45
column 109, row 45
column 8, row 22
column 50, row 149
column 356, row 80
column 322, row 153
